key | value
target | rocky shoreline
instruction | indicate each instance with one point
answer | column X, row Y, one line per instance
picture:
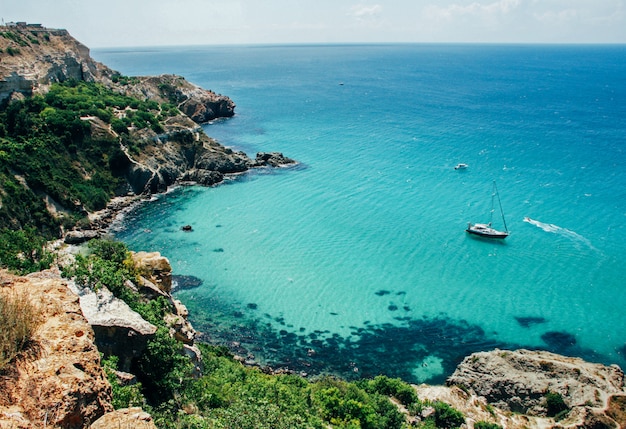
column 101, row 221
column 504, row 387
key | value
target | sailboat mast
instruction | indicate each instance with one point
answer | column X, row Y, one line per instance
column 495, row 188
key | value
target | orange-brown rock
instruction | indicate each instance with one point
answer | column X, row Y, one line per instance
column 57, row 381
column 155, row 268
column 134, row 418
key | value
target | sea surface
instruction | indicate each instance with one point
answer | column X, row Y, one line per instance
column 356, row 262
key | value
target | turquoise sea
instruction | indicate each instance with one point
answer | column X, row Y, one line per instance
column 356, row 262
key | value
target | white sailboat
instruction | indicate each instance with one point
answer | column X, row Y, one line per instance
column 485, row 229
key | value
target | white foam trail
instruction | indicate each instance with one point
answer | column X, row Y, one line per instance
column 555, row 229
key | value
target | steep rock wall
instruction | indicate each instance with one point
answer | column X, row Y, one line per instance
column 58, row 381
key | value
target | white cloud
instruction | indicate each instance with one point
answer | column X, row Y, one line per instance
column 365, row 11
column 474, row 10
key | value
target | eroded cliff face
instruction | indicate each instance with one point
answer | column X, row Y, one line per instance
column 58, row 380
column 33, row 57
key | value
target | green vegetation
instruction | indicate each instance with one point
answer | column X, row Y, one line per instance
column 47, row 148
column 446, row 416
column 18, row 319
column 23, row 251
column 228, row 394
column 486, row 425
column 556, row 406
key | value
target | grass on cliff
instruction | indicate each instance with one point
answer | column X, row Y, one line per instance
column 18, row 321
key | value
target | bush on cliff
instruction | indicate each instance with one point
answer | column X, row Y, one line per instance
column 162, row 369
column 23, row 251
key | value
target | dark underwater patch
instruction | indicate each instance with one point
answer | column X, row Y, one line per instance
column 559, row 341
column 252, row 306
column 366, row 351
column 528, row 321
column 392, row 307
column 185, row 282
column 382, row 292
column 219, row 250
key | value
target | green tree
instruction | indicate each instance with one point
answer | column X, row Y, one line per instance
column 24, row 251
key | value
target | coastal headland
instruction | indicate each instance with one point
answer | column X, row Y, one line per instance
column 148, row 142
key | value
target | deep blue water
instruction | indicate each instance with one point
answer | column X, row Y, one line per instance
column 356, row 262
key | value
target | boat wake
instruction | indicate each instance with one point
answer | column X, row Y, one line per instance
column 564, row 232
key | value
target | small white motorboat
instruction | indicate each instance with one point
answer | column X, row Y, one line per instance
column 461, row 166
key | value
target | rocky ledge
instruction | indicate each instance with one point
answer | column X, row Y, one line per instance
column 516, row 384
column 60, row 382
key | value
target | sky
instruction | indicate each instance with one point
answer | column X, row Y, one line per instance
column 134, row 23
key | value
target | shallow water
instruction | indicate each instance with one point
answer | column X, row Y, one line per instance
column 356, row 261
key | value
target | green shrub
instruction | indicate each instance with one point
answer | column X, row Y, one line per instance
column 23, row 251
column 447, row 417
column 123, row 396
column 395, row 387
column 555, row 405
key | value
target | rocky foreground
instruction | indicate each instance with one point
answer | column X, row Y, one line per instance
column 60, row 383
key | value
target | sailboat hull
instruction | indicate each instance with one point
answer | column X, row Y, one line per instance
column 485, row 230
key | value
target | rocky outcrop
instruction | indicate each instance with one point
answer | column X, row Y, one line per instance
column 118, row 330
column 156, row 280
column 57, row 381
column 33, row 57
column 272, row 159
column 182, row 156
column 135, row 418
column 519, row 380
column 199, row 104
column 154, row 269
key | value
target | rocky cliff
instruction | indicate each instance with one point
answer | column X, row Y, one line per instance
column 517, row 383
column 58, row 382
column 32, row 57
column 153, row 158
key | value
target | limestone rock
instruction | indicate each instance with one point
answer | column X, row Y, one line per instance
column 155, row 268
column 135, row 418
column 178, row 323
column 518, row 380
column 58, row 381
column 118, row 329
column 42, row 56
column 78, row 236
